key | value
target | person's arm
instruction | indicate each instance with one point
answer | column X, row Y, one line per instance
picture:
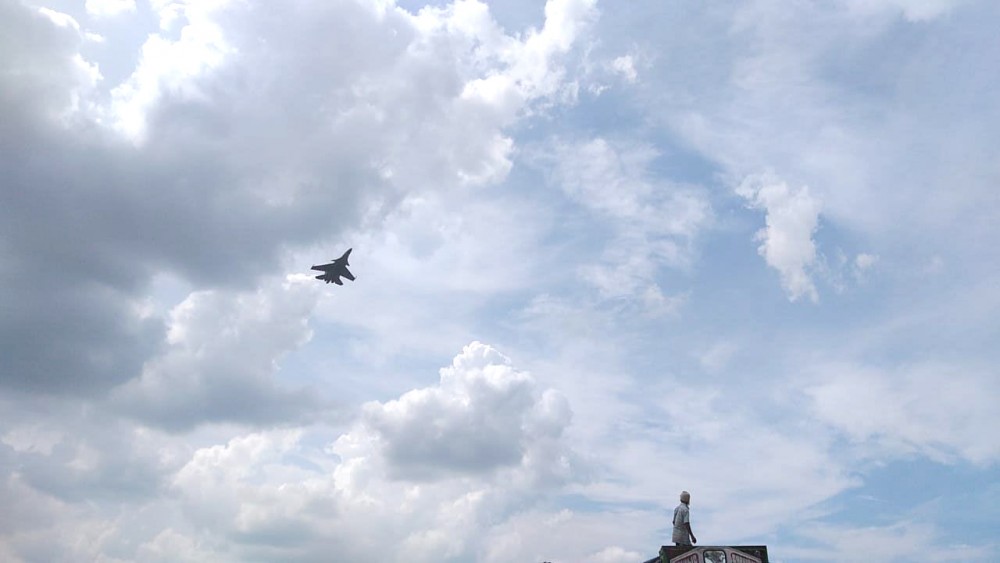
column 694, row 540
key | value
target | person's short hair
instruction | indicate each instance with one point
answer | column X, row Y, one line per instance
column 685, row 496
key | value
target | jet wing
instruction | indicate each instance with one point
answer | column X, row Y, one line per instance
column 346, row 273
column 330, row 278
column 324, row 267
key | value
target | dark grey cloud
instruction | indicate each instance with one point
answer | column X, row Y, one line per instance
column 223, row 184
column 78, row 340
column 315, row 120
column 99, row 467
column 63, row 455
column 39, row 72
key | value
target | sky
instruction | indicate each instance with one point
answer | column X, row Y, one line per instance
column 605, row 252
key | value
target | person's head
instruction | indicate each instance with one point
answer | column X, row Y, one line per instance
column 685, row 497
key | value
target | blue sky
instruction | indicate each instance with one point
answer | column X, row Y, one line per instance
column 604, row 253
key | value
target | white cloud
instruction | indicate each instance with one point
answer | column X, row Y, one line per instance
column 902, row 541
column 170, row 546
column 260, row 137
column 109, row 8
column 913, row 10
column 169, row 67
column 433, row 270
column 863, row 264
column 935, row 410
column 865, row 261
column 625, row 66
column 44, row 72
column 717, row 357
column 567, row 536
column 375, row 490
column 792, row 217
column 679, row 445
column 532, row 70
column 654, row 223
column 33, row 438
column 776, row 88
column 482, row 417
column 615, row 554
column 286, row 131
column 60, row 19
column 31, row 536
column 222, row 351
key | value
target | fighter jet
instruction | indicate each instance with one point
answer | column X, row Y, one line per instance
column 333, row 271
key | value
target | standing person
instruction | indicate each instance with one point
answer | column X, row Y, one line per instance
column 682, row 522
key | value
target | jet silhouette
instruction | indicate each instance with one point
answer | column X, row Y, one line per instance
column 333, row 271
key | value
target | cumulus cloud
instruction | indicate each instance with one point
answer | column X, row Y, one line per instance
column 301, row 493
column 483, row 416
column 787, row 244
column 98, row 458
column 44, row 75
column 241, row 135
column 531, row 66
column 30, row 535
column 169, row 67
column 415, row 472
column 222, row 352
